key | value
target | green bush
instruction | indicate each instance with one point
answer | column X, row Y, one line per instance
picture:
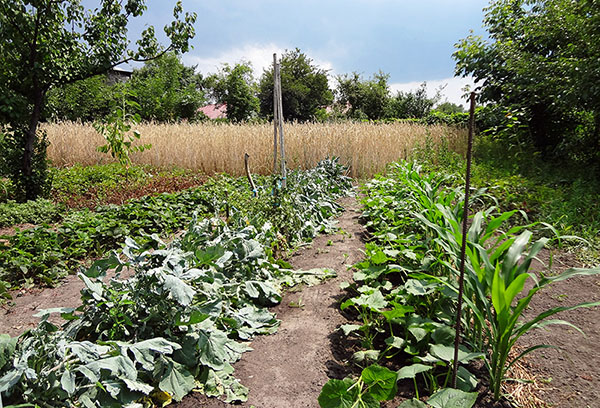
column 40, row 211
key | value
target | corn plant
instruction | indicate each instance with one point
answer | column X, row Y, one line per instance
column 495, row 277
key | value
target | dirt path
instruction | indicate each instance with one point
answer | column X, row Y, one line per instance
column 571, row 371
column 289, row 368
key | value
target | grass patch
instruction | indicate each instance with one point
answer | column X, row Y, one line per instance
column 562, row 195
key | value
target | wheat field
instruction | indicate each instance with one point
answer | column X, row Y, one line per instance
column 219, row 148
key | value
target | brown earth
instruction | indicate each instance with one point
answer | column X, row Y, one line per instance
column 571, row 371
column 289, row 368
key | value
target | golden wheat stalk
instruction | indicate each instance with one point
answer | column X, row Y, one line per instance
column 219, row 148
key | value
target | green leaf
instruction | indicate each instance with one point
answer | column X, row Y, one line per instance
column 338, row 394
column 349, row 328
column 444, row 335
column 67, row 382
column 446, row 353
column 412, row 403
column 177, row 381
column 365, row 356
column 395, row 342
column 374, row 301
column 379, row 258
column 397, row 312
column 381, row 382
column 137, row 386
column 412, row 370
column 211, row 346
column 179, row 290
column 452, row 398
column 465, row 380
column 7, row 348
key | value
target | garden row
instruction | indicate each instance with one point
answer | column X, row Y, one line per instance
column 180, row 322
column 404, row 295
column 46, row 253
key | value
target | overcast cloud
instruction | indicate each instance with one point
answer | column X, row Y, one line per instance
column 412, row 41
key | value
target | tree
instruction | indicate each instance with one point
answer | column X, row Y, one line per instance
column 86, row 100
column 412, row 104
column 166, row 90
column 366, row 99
column 304, row 88
column 542, row 62
column 449, row 108
column 46, row 43
column 235, row 88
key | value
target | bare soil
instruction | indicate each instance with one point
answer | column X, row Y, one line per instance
column 571, row 371
column 289, row 368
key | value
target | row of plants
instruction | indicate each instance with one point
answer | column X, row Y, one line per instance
column 404, row 294
column 31, row 212
column 183, row 318
column 46, row 253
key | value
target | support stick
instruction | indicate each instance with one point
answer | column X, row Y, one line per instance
column 275, row 114
column 280, row 121
column 461, row 279
column 249, row 175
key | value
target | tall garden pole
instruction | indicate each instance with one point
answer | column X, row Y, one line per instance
column 461, row 279
column 275, row 114
column 280, row 121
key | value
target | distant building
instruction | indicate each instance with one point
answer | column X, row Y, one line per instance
column 117, row 74
column 214, row 111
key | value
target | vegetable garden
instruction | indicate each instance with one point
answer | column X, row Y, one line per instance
column 185, row 316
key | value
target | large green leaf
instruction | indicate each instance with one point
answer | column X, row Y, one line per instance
column 179, row 290
column 381, row 382
column 412, row 370
column 452, row 398
column 177, row 381
column 338, row 394
column 211, row 347
column 7, row 348
column 446, row 353
column 413, row 403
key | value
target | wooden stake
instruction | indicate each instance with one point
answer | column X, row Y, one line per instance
column 280, row 121
column 249, row 175
column 461, row 279
column 275, row 114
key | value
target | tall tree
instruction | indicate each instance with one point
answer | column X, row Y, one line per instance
column 166, row 90
column 304, row 88
column 542, row 60
column 365, row 98
column 45, row 43
column 413, row 104
column 235, row 88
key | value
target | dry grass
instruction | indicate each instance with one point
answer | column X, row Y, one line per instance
column 526, row 389
column 215, row 148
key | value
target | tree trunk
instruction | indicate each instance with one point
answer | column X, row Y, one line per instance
column 31, row 189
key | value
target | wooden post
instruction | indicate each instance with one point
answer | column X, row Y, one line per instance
column 461, row 278
column 249, row 175
column 280, row 121
column 275, row 114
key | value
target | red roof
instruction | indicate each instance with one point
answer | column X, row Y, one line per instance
column 214, row 111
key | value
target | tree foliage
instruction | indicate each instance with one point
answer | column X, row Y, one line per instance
column 365, row 99
column 46, row 43
column 305, row 88
column 542, row 61
column 413, row 104
column 86, row 100
column 167, row 90
column 235, row 88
